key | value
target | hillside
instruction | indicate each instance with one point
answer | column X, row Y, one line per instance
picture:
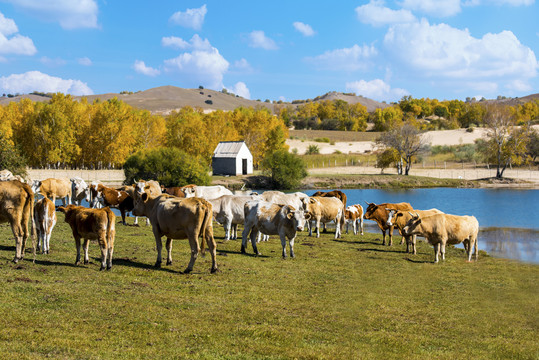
column 164, row 99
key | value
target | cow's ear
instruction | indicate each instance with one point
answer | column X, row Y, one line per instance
column 144, row 196
column 61, row 209
column 307, row 215
column 312, row 201
column 398, row 214
column 290, row 215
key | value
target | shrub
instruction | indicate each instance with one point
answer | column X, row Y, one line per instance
column 323, row 139
column 11, row 158
column 285, row 169
column 312, row 149
column 209, row 102
column 169, row 166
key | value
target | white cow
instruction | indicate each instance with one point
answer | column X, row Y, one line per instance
column 45, row 219
column 271, row 219
column 206, row 192
column 353, row 214
column 79, row 191
column 228, row 211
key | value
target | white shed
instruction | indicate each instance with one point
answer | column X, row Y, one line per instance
column 232, row 158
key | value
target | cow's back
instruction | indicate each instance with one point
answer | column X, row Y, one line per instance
column 178, row 217
column 59, row 187
column 14, row 199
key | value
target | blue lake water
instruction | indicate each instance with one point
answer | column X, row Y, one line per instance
column 508, row 220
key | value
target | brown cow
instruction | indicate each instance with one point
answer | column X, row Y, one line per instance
column 92, row 224
column 380, row 214
column 400, row 218
column 174, row 191
column 45, row 219
column 17, row 207
column 334, row 193
column 53, row 188
column 179, row 219
column 113, row 198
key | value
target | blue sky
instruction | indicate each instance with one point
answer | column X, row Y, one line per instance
column 445, row 49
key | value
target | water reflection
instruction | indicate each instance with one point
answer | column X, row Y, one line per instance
column 510, row 243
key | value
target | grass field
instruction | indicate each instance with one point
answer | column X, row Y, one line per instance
column 338, row 299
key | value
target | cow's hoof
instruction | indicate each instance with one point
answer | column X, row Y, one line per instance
column 15, row 260
column 187, row 271
column 86, row 262
column 157, row 264
column 101, row 268
column 109, row 267
column 214, row 270
column 243, row 250
column 169, row 262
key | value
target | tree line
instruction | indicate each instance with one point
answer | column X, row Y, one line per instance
column 65, row 132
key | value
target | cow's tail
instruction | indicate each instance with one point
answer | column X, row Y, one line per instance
column 208, row 217
column 110, row 224
column 29, row 205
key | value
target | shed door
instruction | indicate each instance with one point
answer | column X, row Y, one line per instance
column 244, row 166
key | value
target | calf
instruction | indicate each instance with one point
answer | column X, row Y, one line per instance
column 53, row 188
column 326, row 209
column 400, row 218
column 379, row 213
column 353, row 214
column 87, row 224
column 113, row 198
column 174, row 191
column 45, row 219
column 271, row 219
column 17, row 207
column 179, row 219
column 442, row 229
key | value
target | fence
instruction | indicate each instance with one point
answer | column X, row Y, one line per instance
column 107, row 177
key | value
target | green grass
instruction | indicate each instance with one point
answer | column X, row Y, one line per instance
column 345, row 299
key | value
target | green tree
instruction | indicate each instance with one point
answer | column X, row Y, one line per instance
column 386, row 158
column 407, row 141
column 169, row 166
column 10, row 158
column 285, row 169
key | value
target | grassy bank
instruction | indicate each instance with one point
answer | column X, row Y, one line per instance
column 344, row 299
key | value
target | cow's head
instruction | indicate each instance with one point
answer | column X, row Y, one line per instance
column 297, row 217
column 189, row 191
column 412, row 224
column 96, row 192
column 369, row 212
column 36, row 186
column 391, row 213
column 140, row 208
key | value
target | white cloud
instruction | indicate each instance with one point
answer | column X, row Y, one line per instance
column 257, row 39
column 374, row 13
column 191, row 18
column 37, row 81
column 71, row 14
column 376, row 89
column 439, row 8
column 16, row 44
column 241, row 89
column 85, row 61
column 442, row 51
column 141, row 68
column 174, row 42
column 519, row 85
column 243, row 65
column 305, row 29
column 7, row 26
column 45, row 60
column 202, row 66
column 499, row 2
column 347, row 59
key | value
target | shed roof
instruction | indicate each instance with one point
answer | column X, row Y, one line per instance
column 228, row 149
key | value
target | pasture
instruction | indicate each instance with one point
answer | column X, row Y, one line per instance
column 338, row 299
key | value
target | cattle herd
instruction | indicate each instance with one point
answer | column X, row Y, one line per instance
column 188, row 213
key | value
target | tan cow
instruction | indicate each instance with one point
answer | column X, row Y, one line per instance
column 353, row 214
column 53, row 188
column 96, row 224
column 379, row 213
column 17, row 207
column 45, row 219
column 178, row 218
column 443, row 229
column 326, row 209
column 333, row 193
column 400, row 218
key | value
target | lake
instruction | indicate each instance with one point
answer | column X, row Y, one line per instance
column 508, row 220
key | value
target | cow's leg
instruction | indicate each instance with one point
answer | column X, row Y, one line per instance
column 283, row 244
column 253, row 241
column 347, row 223
column 442, row 247
column 354, row 226
column 311, row 226
column 85, row 246
column 212, row 247
column 361, row 224
column 77, row 245
column 318, row 228
column 324, row 228
column 147, row 221
column 195, row 249
column 291, row 244
column 104, row 251
column 338, row 227
column 234, row 231
column 122, row 211
column 383, row 237
column 159, row 247
column 227, row 225
column 390, row 235
column 136, row 221
column 414, row 237
column 17, row 233
column 247, row 228
column 436, row 252
column 169, row 251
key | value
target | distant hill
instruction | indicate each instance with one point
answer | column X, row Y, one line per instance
column 164, row 99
